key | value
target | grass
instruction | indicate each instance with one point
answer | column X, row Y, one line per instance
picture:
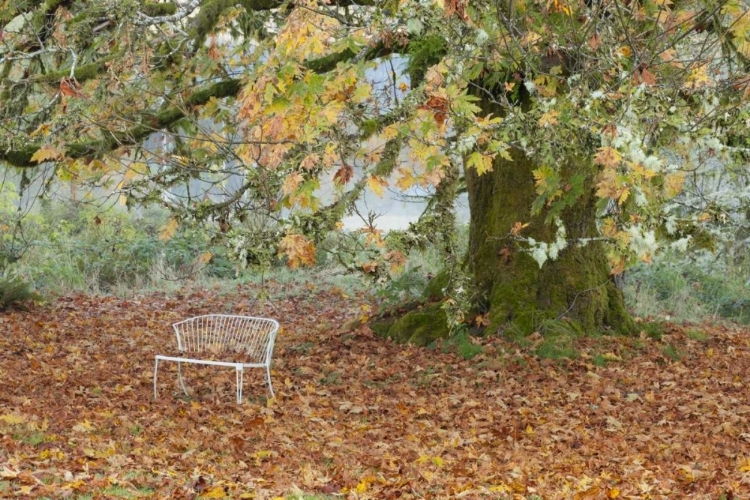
column 599, row 360
column 556, row 347
column 671, row 352
column 696, row 335
column 462, row 345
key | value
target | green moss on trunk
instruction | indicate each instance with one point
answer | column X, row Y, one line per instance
column 515, row 290
column 575, row 288
column 420, row 327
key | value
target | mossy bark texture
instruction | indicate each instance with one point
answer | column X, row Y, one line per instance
column 421, row 326
column 513, row 288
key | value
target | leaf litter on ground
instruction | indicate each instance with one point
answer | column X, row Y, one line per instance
column 357, row 416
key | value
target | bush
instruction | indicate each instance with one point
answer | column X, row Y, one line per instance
column 15, row 293
column 81, row 247
column 689, row 288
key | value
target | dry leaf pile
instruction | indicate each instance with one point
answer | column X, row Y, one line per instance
column 358, row 416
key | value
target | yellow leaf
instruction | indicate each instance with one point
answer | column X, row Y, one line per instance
column 549, row 118
column 673, row 183
column 47, row 153
column 746, row 466
column 205, row 257
column 42, row 129
column 377, row 185
column 168, row 230
column 483, row 163
column 613, row 493
column 390, row 132
column 531, row 38
column 405, row 180
column 529, row 429
column 364, row 484
column 84, row 426
column 332, row 111
column 217, row 492
column 12, row 419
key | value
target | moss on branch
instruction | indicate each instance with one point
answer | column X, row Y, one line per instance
column 82, row 73
column 154, row 9
column 21, row 157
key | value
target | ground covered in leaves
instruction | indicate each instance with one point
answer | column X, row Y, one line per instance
column 360, row 417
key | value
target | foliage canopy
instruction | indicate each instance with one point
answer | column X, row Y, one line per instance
column 291, row 110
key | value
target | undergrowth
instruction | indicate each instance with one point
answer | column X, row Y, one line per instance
column 61, row 248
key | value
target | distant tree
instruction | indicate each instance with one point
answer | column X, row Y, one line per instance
column 569, row 122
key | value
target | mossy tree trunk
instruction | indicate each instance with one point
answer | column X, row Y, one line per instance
column 511, row 286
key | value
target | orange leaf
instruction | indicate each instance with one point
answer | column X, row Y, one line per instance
column 608, row 157
column 299, row 250
column 70, row 87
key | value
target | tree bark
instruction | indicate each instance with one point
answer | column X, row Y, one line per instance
column 574, row 291
column 512, row 288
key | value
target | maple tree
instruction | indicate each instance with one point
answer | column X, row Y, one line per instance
column 569, row 123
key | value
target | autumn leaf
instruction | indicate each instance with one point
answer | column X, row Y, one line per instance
column 298, row 250
column 439, row 107
column 377, row 185
column 343, row 175
column 595, row 41
column 608, row 157
column 71, row 87
column 517, row 227
column 481, row 162
column 291, row 183
column 216, row 492
column 673, row 183
column 204, row 258
column 47, row 153
column 645, row 76
column 549, row 118
column 13, row 419
column 168, row 230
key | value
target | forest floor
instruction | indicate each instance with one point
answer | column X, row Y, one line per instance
column 357, row 416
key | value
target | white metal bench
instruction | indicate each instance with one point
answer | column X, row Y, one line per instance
column 224, row 340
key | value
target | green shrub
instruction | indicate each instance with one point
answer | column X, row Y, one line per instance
column 16, row 293
column 689, row 288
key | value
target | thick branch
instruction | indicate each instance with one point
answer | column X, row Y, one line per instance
column 113, row 140
column 21, row 157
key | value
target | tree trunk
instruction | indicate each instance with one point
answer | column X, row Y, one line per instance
column 575, row 288
column 512, row 287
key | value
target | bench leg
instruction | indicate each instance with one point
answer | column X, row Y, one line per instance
column 179, row 375
column 239, row 383
column 268, row 378
column 156, row 371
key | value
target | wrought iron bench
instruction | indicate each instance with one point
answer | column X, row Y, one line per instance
column 224, row 340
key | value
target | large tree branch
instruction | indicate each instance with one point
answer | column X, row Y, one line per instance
column 112, row 140
column 21, row 157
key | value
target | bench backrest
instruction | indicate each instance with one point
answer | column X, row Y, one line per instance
column 228, row 335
